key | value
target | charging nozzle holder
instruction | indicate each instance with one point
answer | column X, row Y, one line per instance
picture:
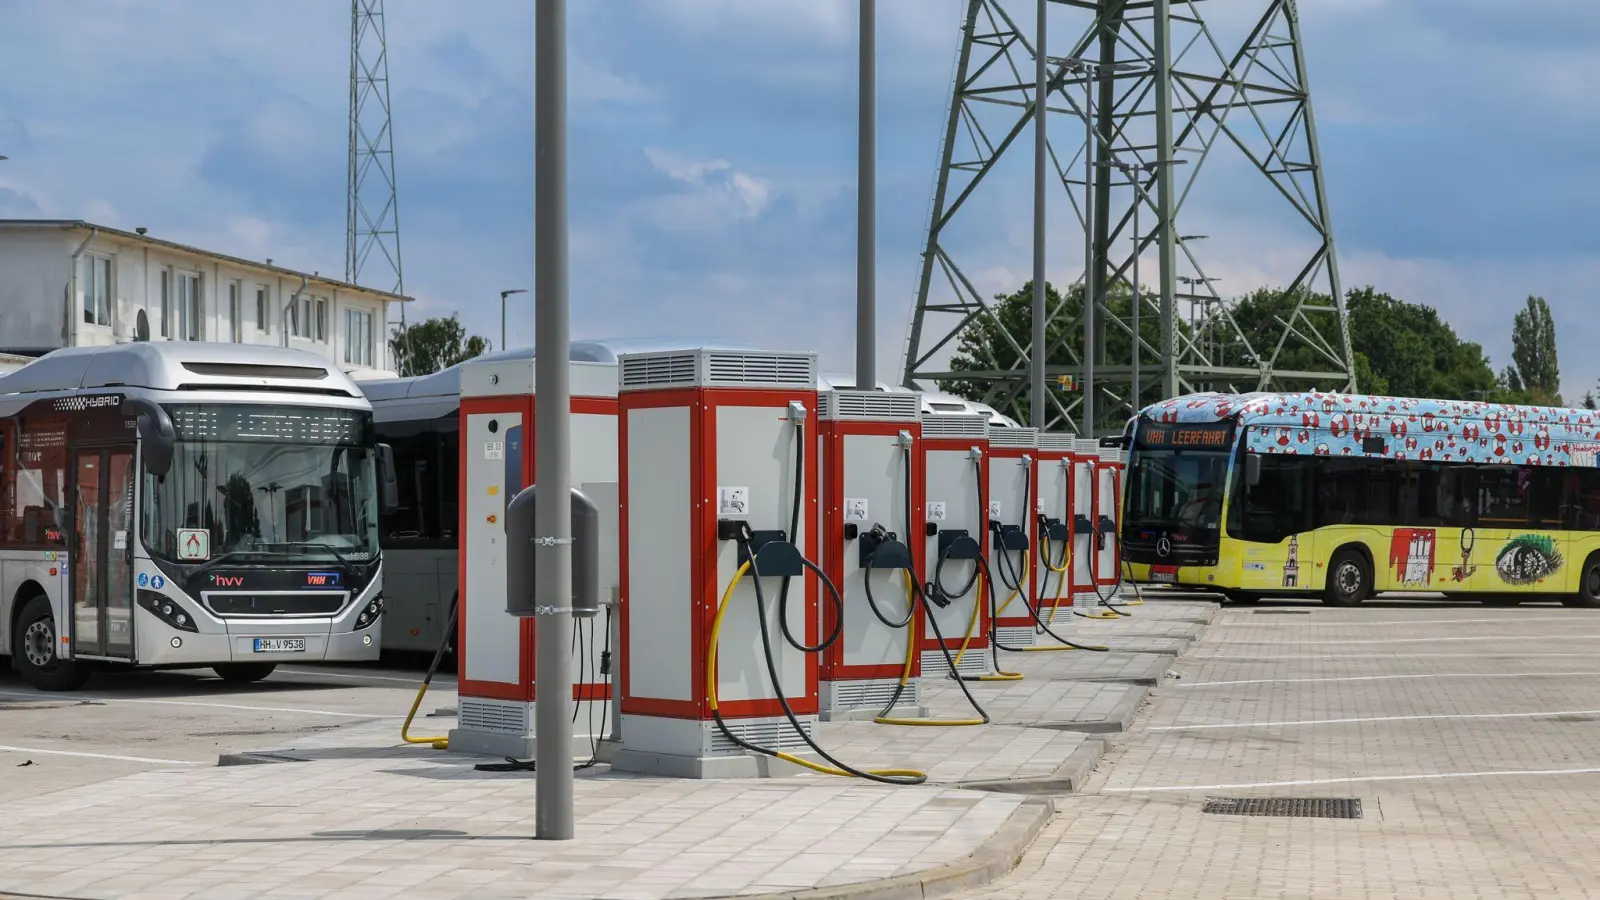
column 956, row 543
column 775, row 556
column 1009, row 537
column 882, row 549
column 1053, row 529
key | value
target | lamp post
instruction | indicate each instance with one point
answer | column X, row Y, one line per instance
column 1205, row 317
column 1127, row 170
column 503, row 296
column 1091, row 72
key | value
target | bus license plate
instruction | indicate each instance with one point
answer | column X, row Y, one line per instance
column 280, row 645
column 1159, row 575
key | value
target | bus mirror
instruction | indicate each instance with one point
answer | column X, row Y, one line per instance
column 388, row 481
column 155, row 433
column 1252, row 469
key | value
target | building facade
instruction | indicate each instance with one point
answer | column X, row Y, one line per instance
column 68, row 283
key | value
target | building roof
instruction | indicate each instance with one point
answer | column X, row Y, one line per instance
column 81, row 225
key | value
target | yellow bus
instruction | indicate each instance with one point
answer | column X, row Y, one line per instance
column 1344, row 496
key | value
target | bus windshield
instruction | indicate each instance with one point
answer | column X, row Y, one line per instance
column 1176, row 476
column 289, row 483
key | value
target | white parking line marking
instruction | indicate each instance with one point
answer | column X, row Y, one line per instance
column 282, row 709
column 1197, row 684
column 438, row 680
column 1252, row 657
column 141, row 759
column 1362, row 623
column 1286, row 724
column 1432, row 640
column 1506, row 773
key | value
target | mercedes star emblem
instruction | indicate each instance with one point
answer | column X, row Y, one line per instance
column 1163, row 547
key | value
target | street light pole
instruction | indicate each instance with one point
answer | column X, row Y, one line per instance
column 552, row 422
column 1139, row 196
column 867, row 201
column 1039, row 150
column 503, row 296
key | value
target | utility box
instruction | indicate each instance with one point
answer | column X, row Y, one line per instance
column 495, row 651
column 1108, row 467
column 1052, row 568
column 709, row 435
column 1013, row 523
column 955, row 452
column 872, row 483
column 1085, row 463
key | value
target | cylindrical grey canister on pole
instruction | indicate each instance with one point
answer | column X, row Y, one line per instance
column 552, row 422
column 1039, row 352
column 522, row 558
column 867, row 203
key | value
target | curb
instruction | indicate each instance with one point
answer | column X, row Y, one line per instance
column 257, row 758
column 1068, row 778
column 996, row 857
column 1118, row 720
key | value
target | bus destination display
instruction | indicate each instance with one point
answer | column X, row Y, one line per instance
column 1206, row 436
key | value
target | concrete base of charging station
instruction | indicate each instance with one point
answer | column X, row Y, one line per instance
column 516, row 746
column 867, row 714
column 744, row 765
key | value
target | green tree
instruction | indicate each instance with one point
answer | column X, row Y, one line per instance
column 434, row 344
column 1589, row 401
column 1536, row 376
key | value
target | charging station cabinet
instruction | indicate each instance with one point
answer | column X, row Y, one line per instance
column 709, row 435
column 1053, row 544
column 495, row 651
column 872, row 484
column 955, row 452
column 1013, row 518
column 1108, row 468
column 1085, row 462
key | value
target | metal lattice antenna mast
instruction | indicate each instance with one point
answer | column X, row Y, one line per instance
column 1146, row 101
column 372, row 210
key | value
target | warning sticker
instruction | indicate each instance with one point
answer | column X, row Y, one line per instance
column 936, row 511
column 855, row 508
column 994, row 509
column 733, row 501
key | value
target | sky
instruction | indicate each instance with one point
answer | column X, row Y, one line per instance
column 712, row 148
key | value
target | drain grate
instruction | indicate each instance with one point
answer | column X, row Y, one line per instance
column 1298, row 807
column 1283, row 612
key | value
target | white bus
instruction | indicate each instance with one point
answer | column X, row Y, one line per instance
column 183, row 505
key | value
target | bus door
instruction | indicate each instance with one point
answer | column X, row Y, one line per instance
column 101, row 549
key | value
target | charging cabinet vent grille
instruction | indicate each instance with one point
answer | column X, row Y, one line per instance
column 1059, row 442
column 938, row 425
column 761, row 369
column 973, row 662
column 657, row 370
column 775, row 735
column 878, row 406
column 1086, row 447
column 493, row 715
column 1013, row 636
column 1014, row 437
column 873, row 694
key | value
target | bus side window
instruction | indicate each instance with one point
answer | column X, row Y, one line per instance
column 1582, row 492
column 1545, row 497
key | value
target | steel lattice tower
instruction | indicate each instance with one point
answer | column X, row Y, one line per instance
column 1145, row 93
column 372, row 213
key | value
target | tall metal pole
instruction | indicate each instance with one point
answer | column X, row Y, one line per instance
column 552, row 425
column 866, row 202
column 1137, row 202
column 1037, row 357
column 1087, row 426
column 1166, row 199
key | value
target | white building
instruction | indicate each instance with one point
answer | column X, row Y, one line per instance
column 68, row 283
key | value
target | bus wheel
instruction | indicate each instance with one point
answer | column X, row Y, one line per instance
column 33, row 646
column 1588, row 594
column 1349, row 580
column 243, row 673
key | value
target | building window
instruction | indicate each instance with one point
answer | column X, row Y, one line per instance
column 322, row 319
column 190, row 308
column 94, row 281
column 358, row 337
column 166, row 303
column 233, row 313
column 263, row 310
column 305, row 318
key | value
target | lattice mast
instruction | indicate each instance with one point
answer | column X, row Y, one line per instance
column 372, row 207
column 1144, row 101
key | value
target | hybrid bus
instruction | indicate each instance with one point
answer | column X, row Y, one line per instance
column 185, row 505
column 1342, row 497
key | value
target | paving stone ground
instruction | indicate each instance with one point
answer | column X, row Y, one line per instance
column 1470, row 734
column 365, row 817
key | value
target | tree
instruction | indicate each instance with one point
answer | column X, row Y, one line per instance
column 1533, row 350
column 434, row 344
column 1589, row 401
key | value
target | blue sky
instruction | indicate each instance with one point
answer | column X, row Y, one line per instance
column 713, row 148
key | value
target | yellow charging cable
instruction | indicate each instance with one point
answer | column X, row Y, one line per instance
column 440, row 742
column 711, row 695
column 972, row 628
column 905, row 672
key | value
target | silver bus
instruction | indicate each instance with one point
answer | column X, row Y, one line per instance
column 183, row 505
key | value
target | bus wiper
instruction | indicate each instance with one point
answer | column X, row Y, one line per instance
column 215, row 561
column 344, row 561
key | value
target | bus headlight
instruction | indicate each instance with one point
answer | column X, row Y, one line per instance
column 371, row 613
column 168, row 610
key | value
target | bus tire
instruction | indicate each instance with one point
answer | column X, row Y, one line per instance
column 1588, row 595
column 33, row 649
column 1349, row 579
column 243, row 673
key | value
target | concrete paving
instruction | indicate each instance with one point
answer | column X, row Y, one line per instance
column 365, row 816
